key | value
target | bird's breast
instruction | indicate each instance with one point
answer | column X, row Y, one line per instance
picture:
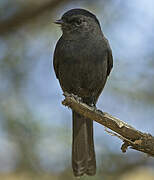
column 82, row 67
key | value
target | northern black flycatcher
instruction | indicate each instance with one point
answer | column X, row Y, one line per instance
column 82, row 62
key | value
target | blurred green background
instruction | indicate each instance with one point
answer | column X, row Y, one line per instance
column 35, row 129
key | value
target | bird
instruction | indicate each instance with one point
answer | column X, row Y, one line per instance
column 82, row 62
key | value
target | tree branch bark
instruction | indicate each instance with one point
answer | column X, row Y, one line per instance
column 131, row 137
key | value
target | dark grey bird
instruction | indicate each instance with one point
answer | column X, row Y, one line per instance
column 82, row 62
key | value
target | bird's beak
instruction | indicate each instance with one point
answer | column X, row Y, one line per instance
column 59, row 21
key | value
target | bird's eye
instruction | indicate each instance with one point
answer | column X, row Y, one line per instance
column 75, row 21
column 78, row 22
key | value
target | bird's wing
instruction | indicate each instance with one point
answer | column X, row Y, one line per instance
column 56, row 61
column 109, row 58
column 109, row 62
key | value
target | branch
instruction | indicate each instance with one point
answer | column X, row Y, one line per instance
column 130, row 136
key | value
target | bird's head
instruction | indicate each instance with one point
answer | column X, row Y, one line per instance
column 78, row 21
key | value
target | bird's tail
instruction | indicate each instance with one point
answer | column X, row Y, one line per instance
column 83, row 153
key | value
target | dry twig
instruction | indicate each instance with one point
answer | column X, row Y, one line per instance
column 131, row 137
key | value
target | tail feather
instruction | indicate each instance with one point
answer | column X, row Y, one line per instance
column 83, row 153
column 91, row 169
